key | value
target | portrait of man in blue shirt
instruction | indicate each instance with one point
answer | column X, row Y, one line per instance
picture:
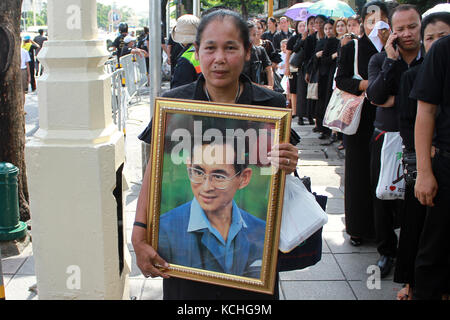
column 211, row 232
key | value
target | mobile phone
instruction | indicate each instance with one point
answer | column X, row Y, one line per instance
column 394, row 44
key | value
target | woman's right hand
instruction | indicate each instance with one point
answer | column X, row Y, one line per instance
column 147, row 259
column 307, row 78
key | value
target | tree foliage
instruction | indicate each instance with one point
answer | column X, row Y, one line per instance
column 245, row 7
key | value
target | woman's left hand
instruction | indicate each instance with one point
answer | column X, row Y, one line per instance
column 284, row 156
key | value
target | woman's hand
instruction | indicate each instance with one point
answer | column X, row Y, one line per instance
column 284, row 156
column 307, row 77
column 319, row 54
column 334, row 55
column 147, row 258
column 363, row 85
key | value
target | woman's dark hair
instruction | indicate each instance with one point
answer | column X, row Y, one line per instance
column 433, row 18
column 356, row 17
column 322, row 17
column 273, row 20
column 369, row 6
column 221, row 14
column 330, row 21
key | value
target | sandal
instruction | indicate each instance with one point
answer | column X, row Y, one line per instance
column 341, row 147
column 405, row 293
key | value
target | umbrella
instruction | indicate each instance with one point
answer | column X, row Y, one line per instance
column 299, row 11
column 441, row 7
column 331, row 8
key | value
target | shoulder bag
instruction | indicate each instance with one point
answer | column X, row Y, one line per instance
column 343, row 112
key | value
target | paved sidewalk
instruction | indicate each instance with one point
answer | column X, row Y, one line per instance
column 340, row 275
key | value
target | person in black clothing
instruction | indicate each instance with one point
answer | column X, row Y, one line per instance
column 223, row 46
column 118, row 43
column 359, row 220
column 432, row 188
column 31, row 47
column 272, row 29
column 385, row 70
column 434, row 26
column 284, row 33
column 314, row 45
column 259, row 67
column 273, row 54
column 291, row 72
column 40, row 39
column 302, row 110
column 326, row 67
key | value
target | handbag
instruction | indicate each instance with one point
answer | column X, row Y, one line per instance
column 391, row 182
column 309, row 252
column 277, row 85
column 297, row 58
column 313, row 87
column 343, row 112
column 298, row 225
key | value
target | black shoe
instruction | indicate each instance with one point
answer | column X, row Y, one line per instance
column 300, row 121
column 315, row 129
column 324, row 136
column 356, row 242
column 311, row 121
column 333, row 138
column 385, row 264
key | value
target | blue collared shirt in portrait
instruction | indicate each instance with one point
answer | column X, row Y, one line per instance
column 187, row 238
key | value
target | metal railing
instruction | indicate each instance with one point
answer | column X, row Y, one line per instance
column 127, row 79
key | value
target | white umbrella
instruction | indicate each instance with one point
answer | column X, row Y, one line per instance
column 441, row 7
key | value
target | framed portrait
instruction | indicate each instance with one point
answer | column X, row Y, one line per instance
column 215, row 201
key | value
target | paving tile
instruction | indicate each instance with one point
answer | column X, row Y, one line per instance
column 10, row 265
column 317, row 290
column 28, row 267
column 18, row 288
column 325, row 269
column 153, row 289
column 336, row 223
column 339, row 242
column 321, row 176
column 387, row 290
column 335, row 206
column 356, row 265
column 330, row 192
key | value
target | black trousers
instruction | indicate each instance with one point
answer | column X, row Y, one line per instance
column 432, row 271
column 411, row 226
column 386, row 212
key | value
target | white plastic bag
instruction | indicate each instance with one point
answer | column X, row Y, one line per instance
column 391, row 184
column 302, row 215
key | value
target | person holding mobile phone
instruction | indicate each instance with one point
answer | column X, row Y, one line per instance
column 402, row 50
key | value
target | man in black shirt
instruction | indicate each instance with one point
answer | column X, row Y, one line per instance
column 431, row 89
column 284, row 33
column 40, row 39
column 402, row 51
column 118, row 43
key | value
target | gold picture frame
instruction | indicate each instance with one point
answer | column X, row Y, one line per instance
column 170, row 180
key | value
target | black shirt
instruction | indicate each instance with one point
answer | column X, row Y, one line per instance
column 384, row 81
column 433, row 86
column 279, row 36
column 40, row 41
column 268, row 36
column 184, row 73
column 254, row 68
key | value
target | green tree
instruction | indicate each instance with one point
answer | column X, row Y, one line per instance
column 102, row 15
column 244, row 6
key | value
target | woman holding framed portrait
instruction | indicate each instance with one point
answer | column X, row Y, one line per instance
column 222, row 47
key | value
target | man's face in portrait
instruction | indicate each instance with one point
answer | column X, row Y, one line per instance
column 216, row 180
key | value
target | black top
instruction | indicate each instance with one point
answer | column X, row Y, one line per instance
column 251, row 95
column 175, row 52
column 184, row 73
column 280, row 35
column 344, row 76
column 119, row 44
column 40, row 41
column 407, row 107
column 268, row 36
column 432, row 86
column 273, row 54
column 384, row 81
column 254, row 68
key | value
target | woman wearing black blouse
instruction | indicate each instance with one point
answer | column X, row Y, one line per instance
column 359, row 219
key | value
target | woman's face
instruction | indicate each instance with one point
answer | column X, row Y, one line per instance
column 433, row 32
column 221, row 53
column 372, row 19
column 341, row 28
column 311, row 26
column 329, row 30
column 254, row 36
column 259, row 29
column 301, row 27
column 318, row 25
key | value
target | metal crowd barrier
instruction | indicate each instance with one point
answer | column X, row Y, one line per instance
column 126, row 81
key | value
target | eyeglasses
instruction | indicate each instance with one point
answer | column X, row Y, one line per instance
column 219, row 181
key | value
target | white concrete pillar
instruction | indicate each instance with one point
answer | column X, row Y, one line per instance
column 72, row 162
